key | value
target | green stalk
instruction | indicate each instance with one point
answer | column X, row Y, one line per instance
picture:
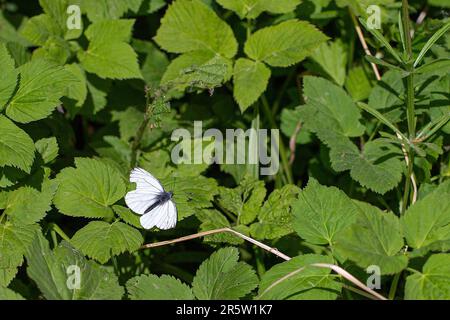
column 59, row 231
column 394, row 285
column 281, row 147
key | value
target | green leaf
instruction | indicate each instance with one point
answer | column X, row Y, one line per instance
column 16, row 147
column 275, row 216
column 108, row 9
column 8, row 294
column 376, row 238
column 357, row 84
column 15, row 241
column 89, row 190
column 27, row 205
column 251, row 9
column 47, row 148
column 433, row 283
column 428, row 220
column 245, row 200
column 250, row 79
column 332, row 109
column 284, row 44
column 222, row 277
column 128, row 216
column 108, row 54
column 8, row 77
column 378, row 167
column 190, row 25
column 435, row 37
column 199, row 69
column 152, row 287
column 50, row 270
column 101, row 240
column 332, row 58
column 39, row 29
column 42, row 84
column 79, row 90
column 322, row 213
column 300, row 281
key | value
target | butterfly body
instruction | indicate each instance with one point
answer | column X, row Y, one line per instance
column 151, row 201
column 161, row 198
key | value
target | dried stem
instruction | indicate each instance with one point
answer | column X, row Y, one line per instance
column 275, row 251
column 364, row 45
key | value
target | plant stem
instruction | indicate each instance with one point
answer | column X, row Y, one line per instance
column 59, row 231
column 140, row 132
column 394, row 285
column 281, row 147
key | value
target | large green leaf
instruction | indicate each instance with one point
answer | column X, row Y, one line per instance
column 275, row 216
column 42, row 84
column 284, row 44
column 108, row 54
column 152, row 287
column 52, row 272
column 222, row 277
column 89, row 189
column 376, row 238
column 15, row 240
column 108, row 9
column 433, row 283
column 8, row 294
column 297, row 280
column 8, row 77
column 322, row 213
column 332, row 59
column 101, row 240
column 250, row 79
column 190, row 25
column 16, row 147
column 428, row 220
column 27, row 205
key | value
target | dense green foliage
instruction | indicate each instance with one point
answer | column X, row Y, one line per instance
column 364, row 162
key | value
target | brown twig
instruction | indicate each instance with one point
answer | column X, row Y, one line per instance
column 275, row 251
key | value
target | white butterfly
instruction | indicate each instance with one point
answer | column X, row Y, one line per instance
column 151, row 201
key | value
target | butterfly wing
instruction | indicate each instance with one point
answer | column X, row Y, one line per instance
column 163, row 216
column 147, row 190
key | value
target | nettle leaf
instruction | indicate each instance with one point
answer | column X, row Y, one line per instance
column 358, row 84
column 42, row 84
column 39, row 29
column 198, row 69
column 190, row 25
column 378, row 167
column 89, row 189
column 251, row 9
column 332, row 59
column 108, row 54
column 433, row 283
column 302, row 281
column 250, row 79
column 375, row 238
column 222, row 277
column 284, row 44
column 334, row 117
column 322, row 213
column 101, row 240
column 27, row 205
column 16, row 147
column 78, row 91
column 8, row 77
column 15, row 240
column 428, row 220
column 8, row 294
column 331, row 107
column 152, row 287
column 245, row 200
column 51, row 271
column 275, row 216
column 47, row 148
